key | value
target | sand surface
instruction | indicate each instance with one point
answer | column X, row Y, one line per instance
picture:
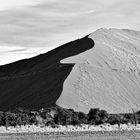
column 117, row 135
column 76, row 135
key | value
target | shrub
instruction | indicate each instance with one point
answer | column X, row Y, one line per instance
column 128, row 118
column 96, row 116
column 114, row 119
column 10, row 119
column 75, row 119
column 138, row 116
column 2, row 121
column 83, row 118
column 103, row 116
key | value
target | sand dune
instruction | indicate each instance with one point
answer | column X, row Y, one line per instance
column 106, row 76
column 100, row 70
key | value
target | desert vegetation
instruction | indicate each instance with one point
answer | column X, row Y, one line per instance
column 59, row 116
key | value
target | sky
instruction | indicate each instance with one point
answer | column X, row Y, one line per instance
column 11, row 4
column 31, row 27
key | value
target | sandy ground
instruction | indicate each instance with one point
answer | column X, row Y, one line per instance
column 83, row 128
column 115, row 135
column 102, row 132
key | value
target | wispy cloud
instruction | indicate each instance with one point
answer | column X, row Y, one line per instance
column 11, row 4
column 37, row 25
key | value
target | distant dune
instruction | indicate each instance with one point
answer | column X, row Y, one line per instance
column 100, row 70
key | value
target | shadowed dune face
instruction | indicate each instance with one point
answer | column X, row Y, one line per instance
column 38, row 82
column 106, row 76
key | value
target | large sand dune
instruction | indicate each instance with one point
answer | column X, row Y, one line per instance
column 106, row 76
column 99, row 70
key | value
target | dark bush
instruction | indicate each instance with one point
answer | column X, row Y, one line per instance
column 93, row 116
column 10, row 119
column 103, row 116
column 83, row 118
column 128, row 118
column 114, row 119
column 2, row 120
column 75, row 119
column 97, row 116
column 138, row 116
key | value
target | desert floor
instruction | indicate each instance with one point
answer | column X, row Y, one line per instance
column 115, row 135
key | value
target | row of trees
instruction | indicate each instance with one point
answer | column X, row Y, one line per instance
column 60, row 116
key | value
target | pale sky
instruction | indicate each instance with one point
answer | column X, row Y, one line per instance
column 40, row 25
column 11, row 4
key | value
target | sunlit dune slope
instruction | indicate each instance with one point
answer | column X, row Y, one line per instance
column 106, row 76
column 38, row 82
